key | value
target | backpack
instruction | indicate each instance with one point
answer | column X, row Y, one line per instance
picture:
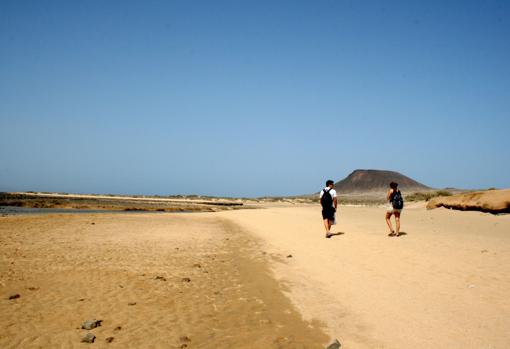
column 397, row 201
column 326, row 199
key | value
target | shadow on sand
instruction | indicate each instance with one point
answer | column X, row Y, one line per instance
column 335, row 234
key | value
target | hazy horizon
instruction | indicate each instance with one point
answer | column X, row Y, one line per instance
column 237, row 196
column 247, row 99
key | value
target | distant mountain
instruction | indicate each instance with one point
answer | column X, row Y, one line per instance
column 362, row 181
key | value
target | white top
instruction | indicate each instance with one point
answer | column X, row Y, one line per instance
column 332, row 192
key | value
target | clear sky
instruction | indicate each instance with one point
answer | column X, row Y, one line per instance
column 251, row 98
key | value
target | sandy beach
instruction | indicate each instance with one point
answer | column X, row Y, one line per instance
column 260, row 278
column 156, row 281
column 443, row 284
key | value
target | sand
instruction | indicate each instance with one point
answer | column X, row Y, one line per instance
column 444, row 284
column 197, row 281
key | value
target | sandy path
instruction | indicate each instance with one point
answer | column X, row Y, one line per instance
column 68, row 270
column 443, row 285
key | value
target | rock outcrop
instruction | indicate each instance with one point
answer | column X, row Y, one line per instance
column 492, row 201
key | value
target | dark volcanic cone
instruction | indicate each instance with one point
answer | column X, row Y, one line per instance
column 360, row 181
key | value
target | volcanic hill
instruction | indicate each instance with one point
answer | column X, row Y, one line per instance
column 362, row 181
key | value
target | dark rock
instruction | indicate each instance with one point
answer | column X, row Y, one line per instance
column 109, row 339
column 32, row 288
column 118, row 328
column 197, row 265
column 93, row 223
column 88, row 338
column 160, row 278
column 335, row 345
column 185, row 339
column 186, row 280
column 14, row 296
column 289, row 256
column 132, row 303
column 90, row 324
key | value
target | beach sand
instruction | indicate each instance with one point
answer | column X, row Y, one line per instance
column 444, row 284
column 263, row 278
column 197, row 281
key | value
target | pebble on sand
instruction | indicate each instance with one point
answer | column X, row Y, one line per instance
column 109, row 339
column 14, row 296
column 335, row 345
column 160, row 278
column 185, row 339
column 289, row 256
column 186, row 280
column 88, row 338
column 90, row 324
column 132, row 303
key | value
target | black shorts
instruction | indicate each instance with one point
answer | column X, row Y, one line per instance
column 328, row 213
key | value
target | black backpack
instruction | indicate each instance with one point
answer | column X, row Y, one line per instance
column 326, row 199
column 397, row 201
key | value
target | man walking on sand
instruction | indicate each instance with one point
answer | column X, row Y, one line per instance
column 329, row 204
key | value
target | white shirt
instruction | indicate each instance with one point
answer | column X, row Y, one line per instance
column 332, row 192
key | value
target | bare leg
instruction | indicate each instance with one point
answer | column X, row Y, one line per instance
column 327, row 225
column 397, row 222
column 388, row 221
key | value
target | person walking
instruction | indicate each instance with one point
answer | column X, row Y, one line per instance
column 329, row 203
column 395, row 206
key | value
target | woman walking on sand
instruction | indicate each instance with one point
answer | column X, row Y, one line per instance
column 395, row 206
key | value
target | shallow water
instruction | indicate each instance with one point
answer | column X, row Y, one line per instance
column 13, row 210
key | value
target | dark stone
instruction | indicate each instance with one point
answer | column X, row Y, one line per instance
column 14, row 296
column 132, row 303
column 109, row 339
column 186, row 280
column 88, row 338
column 90, row 324
column 289, row 256
column 335, row 345
column 160, row 278
column 118, row 328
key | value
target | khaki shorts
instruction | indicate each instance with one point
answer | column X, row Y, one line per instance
column 390, row 209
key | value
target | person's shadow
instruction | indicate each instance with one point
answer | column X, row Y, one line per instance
column 401, row 233
column 335, row 234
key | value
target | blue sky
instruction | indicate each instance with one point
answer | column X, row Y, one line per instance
column 250, row 98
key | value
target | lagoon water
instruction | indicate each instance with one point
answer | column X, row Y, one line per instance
column 14, row 210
